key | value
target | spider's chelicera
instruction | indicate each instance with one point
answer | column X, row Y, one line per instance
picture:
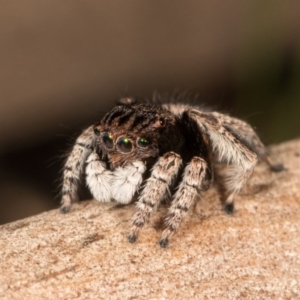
column 162, row 145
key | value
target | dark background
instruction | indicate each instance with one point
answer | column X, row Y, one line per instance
column 64, row 63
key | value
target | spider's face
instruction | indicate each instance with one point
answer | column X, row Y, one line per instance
column 122, row 147
column 130, row 133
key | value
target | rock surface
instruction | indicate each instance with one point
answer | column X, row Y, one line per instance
column 254, row 254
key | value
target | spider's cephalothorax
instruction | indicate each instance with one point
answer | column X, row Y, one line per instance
column 171, row 142
column 137, row 133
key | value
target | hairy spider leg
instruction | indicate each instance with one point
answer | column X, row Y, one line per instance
column 162, row 176
column 196, row 178
column 74, row 167
column 243, row 131
column 229, row 148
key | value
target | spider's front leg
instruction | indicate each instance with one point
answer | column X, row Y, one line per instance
column 196, row 178
column 162, row 176
column 74, row 168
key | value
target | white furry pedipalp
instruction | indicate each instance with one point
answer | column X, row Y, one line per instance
column 98, row 178
column 126, row 180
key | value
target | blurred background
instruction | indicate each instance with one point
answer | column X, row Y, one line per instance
column 63, row 64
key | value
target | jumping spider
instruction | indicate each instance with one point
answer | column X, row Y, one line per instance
column 167, row 147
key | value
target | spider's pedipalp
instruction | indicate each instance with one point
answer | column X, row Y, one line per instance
column 162, row 176
column 74, row 168
column 196, row 178
column 126, row 181
column 98, row 178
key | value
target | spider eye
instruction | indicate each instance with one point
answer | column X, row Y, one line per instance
column 107, row 140
column 124, row 145
column 162, row 122
column 159, row 123
column 143, row 142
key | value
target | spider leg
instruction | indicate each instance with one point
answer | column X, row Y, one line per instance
column 162, row 176
column 196, row 178
column 246, row 133
column 98, row 178
column 74, row 168
column 230, row 184
column 230, row 147
column 126, row 181
column 274, row 167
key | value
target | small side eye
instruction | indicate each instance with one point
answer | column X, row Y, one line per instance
column 162, row 122
column 107, row 140
column 142, row 142
column 124, row 145
column 96, row 131
column 127, row 101
column 159, row 123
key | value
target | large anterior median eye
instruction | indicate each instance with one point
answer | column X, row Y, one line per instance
column 107, row 140
column 143, row 142
column 124, row 145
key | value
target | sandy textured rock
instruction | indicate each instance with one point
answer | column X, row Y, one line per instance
column 255, row 254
